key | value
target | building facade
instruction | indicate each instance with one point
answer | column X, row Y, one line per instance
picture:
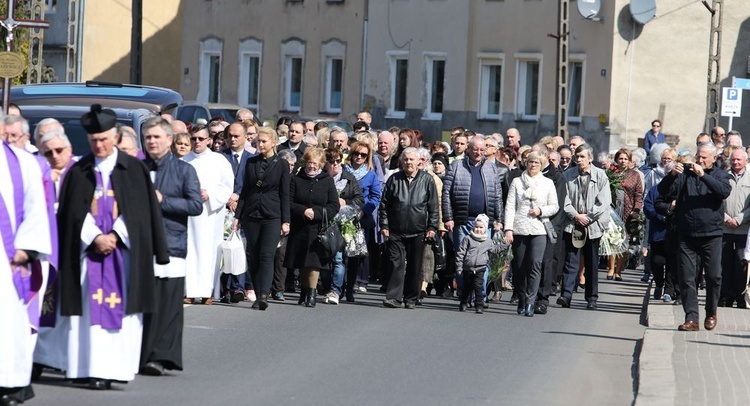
column 280, row 58
column 98, row 35
column 487, row 65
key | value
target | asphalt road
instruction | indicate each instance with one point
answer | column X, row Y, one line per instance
column 364, row 354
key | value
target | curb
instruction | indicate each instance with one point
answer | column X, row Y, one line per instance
column 656, row 376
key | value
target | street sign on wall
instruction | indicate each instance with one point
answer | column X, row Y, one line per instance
column 731, row 102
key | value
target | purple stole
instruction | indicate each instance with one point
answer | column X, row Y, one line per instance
column 49, row 298
column 26, row 279
column 105, row 271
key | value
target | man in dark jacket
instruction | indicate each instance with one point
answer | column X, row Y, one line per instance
column 179, row 194
column 109, row 212
column 233, row 286
column 408, row 215
column 553, row 253
column 700, row 189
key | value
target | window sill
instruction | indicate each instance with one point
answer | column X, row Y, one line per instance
column 432, row 117
column 289, row 111
column 489, row 119
column 576, row 120
column 395, row 115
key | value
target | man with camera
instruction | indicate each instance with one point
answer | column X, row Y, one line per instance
column 700, row 190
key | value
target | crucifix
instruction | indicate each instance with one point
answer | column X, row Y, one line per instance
column 10, row 24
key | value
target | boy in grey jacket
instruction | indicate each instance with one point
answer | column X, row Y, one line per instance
column 472, row 258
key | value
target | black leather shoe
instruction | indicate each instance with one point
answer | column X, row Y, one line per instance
column 94, row 383
column 311, row 297
column 237, row 297
column 479, row 309
column 723, row 303
column 514, row 298
column 529, row 310
column 263, row 303
column 224, row 299
column 591, row 305
column 563, row 301
column 7, row 400
column 302, row 296
column 540, row 308
column 391, row 303
column 462, row 307
column 410, row 306
column 152, row 369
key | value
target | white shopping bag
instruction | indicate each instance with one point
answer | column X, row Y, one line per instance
column 233, row 255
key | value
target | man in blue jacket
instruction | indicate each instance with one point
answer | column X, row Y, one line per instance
column 700, row 189
column 654, row 136
column 179, row 195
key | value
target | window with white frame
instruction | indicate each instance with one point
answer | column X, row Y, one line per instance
column 528, row 87
column 209, row 88
column 293, row 54
column 575, row 89
column 490, row 86
column 434, row 84
column 399, row 71
column 248, row 85
column 333, row 54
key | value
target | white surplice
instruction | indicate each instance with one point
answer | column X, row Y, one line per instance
column 32, row 234
column 206, row 231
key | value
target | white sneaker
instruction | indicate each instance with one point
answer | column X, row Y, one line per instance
column 361, row 289
column 332, row 298
column 250, row 294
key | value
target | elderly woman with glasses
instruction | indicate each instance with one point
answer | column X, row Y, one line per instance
column 350, row 194
column 313, row 200
column 359, row 164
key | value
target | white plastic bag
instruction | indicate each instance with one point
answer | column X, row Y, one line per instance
column 233, row 255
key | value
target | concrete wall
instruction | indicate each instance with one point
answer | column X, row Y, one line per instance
column 106, row 42
column 314, row 22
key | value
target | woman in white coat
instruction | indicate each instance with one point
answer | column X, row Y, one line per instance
column 532, row 199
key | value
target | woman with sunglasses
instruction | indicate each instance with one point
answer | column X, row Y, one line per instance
column 350, row 194
column 359, row 164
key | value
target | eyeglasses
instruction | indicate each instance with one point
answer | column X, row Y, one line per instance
column 54, row 151
column 334, row 161
column 656, row 125
column 564, row 159
column 198, row 139
column 360, row 154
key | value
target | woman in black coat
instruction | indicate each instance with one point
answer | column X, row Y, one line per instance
column 313, row 194
column 263, row 211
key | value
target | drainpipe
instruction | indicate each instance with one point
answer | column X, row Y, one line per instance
column 79, row 41
column 364, row 54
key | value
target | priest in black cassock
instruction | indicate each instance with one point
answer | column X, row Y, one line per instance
column 110, row 233
column 179, row 194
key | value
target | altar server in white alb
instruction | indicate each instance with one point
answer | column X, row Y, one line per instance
column 205, row 232
column 24, row 238
column 111, row 232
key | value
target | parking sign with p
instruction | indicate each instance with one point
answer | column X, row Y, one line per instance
column 731, row 102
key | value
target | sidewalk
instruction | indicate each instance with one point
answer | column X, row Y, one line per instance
column 694, row 368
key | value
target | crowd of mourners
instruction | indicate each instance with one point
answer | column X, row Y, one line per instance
column 136, row 230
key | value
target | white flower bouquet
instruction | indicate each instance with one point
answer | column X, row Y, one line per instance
column 615, row 240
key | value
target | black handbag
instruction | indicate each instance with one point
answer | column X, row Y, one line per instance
column 551, row 232
column 330, row 239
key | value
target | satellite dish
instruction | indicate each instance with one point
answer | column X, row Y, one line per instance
column 643, row 11
column 589, row 9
